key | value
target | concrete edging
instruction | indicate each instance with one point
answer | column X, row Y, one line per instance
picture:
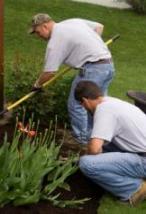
column 108, row 3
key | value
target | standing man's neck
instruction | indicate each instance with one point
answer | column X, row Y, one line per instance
column 51, row 26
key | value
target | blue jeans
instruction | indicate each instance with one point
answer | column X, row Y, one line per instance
column 81, row 121
column 117, row 172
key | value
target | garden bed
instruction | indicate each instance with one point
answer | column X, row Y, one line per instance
column 81, row 187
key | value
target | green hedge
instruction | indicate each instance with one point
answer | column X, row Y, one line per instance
column 138, row 5
column 46, row 104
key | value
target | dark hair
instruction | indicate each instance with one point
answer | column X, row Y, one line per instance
column 87, row 89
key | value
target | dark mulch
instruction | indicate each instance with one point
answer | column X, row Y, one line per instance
column 81, row 187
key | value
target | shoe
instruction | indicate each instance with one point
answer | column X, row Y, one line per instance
column 138, row 196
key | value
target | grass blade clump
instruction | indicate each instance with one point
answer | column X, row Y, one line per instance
column 31, row 169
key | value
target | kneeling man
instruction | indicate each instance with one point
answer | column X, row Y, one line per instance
column 116, row 152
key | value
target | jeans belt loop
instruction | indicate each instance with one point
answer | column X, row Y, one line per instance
column 82, row 72
column 100, row 61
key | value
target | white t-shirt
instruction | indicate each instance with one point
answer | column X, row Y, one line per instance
column 122, row 123
column 74, row 42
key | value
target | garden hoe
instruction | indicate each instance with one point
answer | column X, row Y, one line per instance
column 5, row 113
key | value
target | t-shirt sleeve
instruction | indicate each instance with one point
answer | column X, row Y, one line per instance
column 55, row 54
column 93, row 25
column 105, row 125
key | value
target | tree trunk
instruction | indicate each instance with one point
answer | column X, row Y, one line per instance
column 1, row 56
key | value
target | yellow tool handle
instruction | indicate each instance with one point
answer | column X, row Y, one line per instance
column 59, row 74
column 27, row 96
column 113, row 39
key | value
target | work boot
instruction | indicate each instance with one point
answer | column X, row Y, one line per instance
column 138, row 196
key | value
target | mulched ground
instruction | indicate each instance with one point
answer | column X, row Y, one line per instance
column 81, row 187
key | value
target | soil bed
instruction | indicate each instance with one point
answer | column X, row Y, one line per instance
column 81, row 187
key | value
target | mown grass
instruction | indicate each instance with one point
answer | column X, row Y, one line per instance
column 109, row 205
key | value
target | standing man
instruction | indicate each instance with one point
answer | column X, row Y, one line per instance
column 77, row 43
column 116, row 152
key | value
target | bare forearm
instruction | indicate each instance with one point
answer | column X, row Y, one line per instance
column 95, row 146
column 92, row 151
column 44, row 77
column 88, row 150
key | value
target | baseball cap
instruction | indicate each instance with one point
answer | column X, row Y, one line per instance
column 38, row 19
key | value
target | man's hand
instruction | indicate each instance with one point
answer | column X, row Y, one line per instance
column 95, row 146
column 45, row 76
column 37, row 89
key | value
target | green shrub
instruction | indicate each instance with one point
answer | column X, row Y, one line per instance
column 138, row 5
column 52, row 101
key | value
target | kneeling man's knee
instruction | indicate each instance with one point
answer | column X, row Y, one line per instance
column 84, row 163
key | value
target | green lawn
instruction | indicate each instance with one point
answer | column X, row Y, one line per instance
column 109, row 205
column 129, row 52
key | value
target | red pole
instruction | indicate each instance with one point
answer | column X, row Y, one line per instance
column 1, row 55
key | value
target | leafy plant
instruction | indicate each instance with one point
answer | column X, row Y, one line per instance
column 31, row 169
column 52, row 101
column 138, row 5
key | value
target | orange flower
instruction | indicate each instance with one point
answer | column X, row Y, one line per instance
column 30, row 133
